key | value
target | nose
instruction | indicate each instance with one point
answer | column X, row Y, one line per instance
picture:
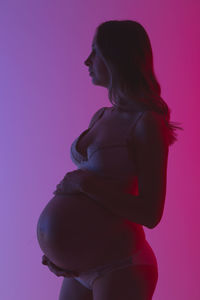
column 87, row 62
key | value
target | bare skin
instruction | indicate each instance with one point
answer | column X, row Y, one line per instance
column 135, row 282
column 64, row 239
column 73, row 238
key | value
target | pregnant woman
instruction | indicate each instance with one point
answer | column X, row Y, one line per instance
column 91, row 231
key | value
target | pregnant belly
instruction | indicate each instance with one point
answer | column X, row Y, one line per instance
column 77, row 233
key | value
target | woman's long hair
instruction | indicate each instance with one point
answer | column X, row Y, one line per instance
column 126, row 50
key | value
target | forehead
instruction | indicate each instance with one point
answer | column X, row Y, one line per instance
column 94, row 41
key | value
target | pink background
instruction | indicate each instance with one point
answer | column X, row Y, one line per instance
column 45, row 88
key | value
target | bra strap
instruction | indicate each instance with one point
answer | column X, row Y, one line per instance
column 97, row 115
column 133, row 125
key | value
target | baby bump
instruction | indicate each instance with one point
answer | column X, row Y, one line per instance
column 75, row 230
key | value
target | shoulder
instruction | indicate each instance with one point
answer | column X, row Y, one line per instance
column 150, row 118
column 149, row 129
column 150, row 122
column 97, row 115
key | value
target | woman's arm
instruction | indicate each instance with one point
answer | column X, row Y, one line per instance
column 116, row 197
column 151, row 147
column 151, row 156
column 119, row 197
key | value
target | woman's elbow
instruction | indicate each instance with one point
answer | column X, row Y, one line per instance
column 153, row 223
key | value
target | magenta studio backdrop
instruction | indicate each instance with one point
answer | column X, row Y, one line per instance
column 47, row 99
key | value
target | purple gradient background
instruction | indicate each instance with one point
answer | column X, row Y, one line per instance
column 45, row 88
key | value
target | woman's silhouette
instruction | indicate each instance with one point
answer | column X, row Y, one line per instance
column 91, row 231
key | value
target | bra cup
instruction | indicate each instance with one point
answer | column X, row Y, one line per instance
column 115, row 161
column 112, row 153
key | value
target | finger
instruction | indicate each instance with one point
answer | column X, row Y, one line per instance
column 45, row 260
column 59, row 272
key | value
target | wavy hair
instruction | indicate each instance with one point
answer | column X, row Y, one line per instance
column 126, row 51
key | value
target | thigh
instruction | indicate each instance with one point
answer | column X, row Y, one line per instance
column 131, row 283
column 71, row 289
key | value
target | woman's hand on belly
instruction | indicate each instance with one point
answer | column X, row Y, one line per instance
column 70, row 184
column 56, row 270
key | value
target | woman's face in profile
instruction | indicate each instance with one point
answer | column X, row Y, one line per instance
column 97, row 68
